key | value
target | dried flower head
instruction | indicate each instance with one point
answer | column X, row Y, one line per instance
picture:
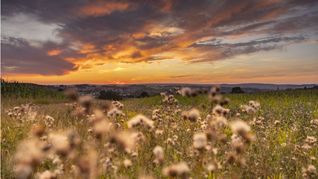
column 240, row 127
column 140, row 120
column 127, row 163
column 192, row 115
column 220, row 111
column 86, row 102
column 115, row 112
column 311, row 140
column 309, row 172
column 118, row 104
column 200, row 141
column 47, row 175
column 159, row 154
column 188, row 92
column 125, row 140
column 177, row 170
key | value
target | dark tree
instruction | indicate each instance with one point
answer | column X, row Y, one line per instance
column 237, row 90
column 144, row 94
column 110, row 95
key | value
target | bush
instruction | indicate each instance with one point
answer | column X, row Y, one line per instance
column 237, row 90
column 110, row 95
column 144, row 94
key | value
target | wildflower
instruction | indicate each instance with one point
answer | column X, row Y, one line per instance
column 87, row 165
column 314, row 122
column 86, row 102
column 231, row 157
column 48, row 120
column 188, row 92
column 168, row 99
column 47, row 175
column 218, row 121
column 254, row 104
column 220, row 111
column 170, row 141
column 115, row 112
column 252, row 107
column 127, row 163
column 309, row 172
column 156, row 115
column 29, row 154
column 199, row 141
column 215, row 90
column 191, row 115
column 124, row 141
column 118, row 104
column 242, row 129
column 311, row 140
column 159, row 132
column 238, row 146
column 224, row 101
column 211, row 167
column 140, row 120
column 159, row 154
column 276, row 122
column 102, row 127
column 137, row 136
column 177, row 170
column 63, row 143
column 22, row 171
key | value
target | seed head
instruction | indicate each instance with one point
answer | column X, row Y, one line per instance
column 159, row 154
column 140, row 120
column 199, row 141
column 177, row 170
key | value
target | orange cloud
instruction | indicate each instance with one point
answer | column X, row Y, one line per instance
column 87, row 48
column 54, row 52
column 103, row 8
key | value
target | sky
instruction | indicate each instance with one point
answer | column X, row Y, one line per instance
column 159, row 41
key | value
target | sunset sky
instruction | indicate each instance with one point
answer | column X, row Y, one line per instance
column 159, row 41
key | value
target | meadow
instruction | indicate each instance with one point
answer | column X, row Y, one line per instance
column 184, row 135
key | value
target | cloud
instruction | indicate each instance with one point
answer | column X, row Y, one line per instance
column 30, row 28
column 146, row 31
column 20, row 57
column 227, row 50
column 103, row 8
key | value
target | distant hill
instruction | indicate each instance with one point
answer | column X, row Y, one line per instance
column 135, row 90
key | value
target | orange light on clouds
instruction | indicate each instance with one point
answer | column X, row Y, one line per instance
column 103, row 8
column 54, row 52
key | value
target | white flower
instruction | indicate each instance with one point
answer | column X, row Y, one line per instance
column 240, row 127
column 177, row 170
column 199, row 140
column 159, row 154
column 127, row 163
column 140, row 120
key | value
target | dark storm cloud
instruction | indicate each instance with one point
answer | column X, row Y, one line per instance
column 103, row 29
column 228, row 50
column 20, row 57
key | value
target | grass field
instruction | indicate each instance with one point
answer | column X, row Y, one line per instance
column 282, row 142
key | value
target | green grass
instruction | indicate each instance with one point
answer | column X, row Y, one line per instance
column 272, row 155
